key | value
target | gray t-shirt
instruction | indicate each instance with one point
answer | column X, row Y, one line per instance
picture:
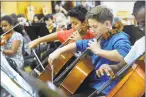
column 18, row 57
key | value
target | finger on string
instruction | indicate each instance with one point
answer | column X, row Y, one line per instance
column 112, row 75
column 49, row 60
column 107, row 72
column 101, row 71
column 98, row 73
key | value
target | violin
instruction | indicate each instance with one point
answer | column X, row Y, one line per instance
column 5, row 38
column 7, row 35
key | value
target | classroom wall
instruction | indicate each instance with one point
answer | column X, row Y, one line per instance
column 21, row 7
column 9, row 7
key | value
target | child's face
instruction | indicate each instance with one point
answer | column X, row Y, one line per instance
column 97, row 27
column 49, row 22
column 75, row 23
column 5, row 26
column 36, row 20
column 140, row 18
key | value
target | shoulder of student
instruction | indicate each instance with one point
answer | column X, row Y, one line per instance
column 121, row 35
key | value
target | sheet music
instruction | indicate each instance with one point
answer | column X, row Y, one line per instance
column 136, row 50
column 9, row 84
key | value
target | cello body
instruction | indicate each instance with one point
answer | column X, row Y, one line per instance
column 58, row 64
column 76, row 76
column 131, row 85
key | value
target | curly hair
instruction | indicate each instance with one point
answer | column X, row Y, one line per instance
column 78, row 12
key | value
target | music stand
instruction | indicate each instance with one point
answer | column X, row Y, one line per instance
column 38, row 24
column 31, row 32
column 37, row 31
column 43, row 31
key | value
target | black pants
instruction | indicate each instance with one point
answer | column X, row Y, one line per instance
column 86, row 92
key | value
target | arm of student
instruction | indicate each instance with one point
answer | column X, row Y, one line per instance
column 63, row 10
column 112, row 55
column 66, row 49
column 15, row 45
column 48, row 38
column 121, row 47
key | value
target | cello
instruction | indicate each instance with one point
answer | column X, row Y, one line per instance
column 81, row 68
column 134, row 77
column 62, row 62
column 133, row 82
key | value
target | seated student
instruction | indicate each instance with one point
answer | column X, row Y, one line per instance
column 61, row 21
column 21, row 17
column 12, row 47
column 106, row 51
column 49, row 23
column 36, row 18
column 77, row 17
column 51, row 28
column 58, row 8
column 48, row 19
column 137, row 49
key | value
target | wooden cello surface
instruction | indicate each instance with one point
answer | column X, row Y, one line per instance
column 60, row 62
column 66, row 58
column 76, row 76
column 84, row 67
column 131, row 85
column 46, row 75
column 58, row 65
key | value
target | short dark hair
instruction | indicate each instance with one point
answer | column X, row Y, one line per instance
column 13, row 15
column 100, row 13
column 38, row 16
column 20, row 15
column 48, row 16
column 137, row 6
column 9, row 19
column 78, row 12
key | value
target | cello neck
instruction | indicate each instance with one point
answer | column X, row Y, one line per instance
column 66, row 42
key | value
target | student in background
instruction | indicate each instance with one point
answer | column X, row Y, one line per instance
column 77, row 18
column 36, row 18
column 12, row 48
column 48, row 19
column 61, row 21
